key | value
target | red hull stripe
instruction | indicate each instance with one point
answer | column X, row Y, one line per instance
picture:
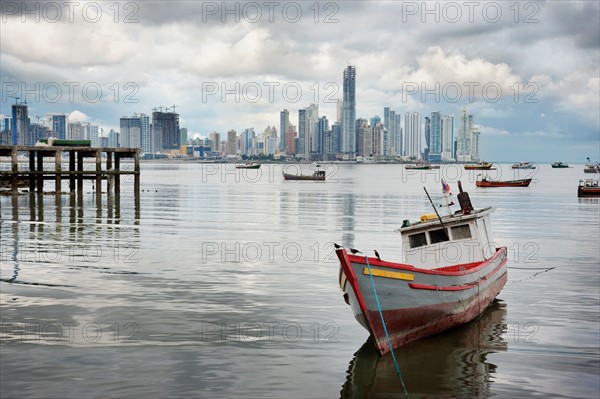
column 457, row 287
column 468, row 268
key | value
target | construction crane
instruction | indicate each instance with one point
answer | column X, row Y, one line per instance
column 173, row 108
column 16, row 99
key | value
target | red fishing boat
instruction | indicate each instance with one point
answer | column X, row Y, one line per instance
column 450, row 273
column 486, row 182
column 588, row 188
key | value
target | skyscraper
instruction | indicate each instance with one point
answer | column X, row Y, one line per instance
column 20, row 125
column 399, row 148
column 215, row 139
column 322, row 126
column 130, row 131
column 447, row 138
column 146, row 142
column 165, row 126
column 183, row 135
column 475, row 146
column 284, row 124
column 310, row 143
column 58, row 124
column 348, row 142
column 412, row 131
column 74, row 131
column 302, row 131
column 435, row 149
column 231, row 142
column 427, row 148
column 364, row 137
column 463, row 150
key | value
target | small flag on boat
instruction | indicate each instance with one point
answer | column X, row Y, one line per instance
column 446, row 187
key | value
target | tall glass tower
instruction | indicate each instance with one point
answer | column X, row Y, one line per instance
column 348, row 142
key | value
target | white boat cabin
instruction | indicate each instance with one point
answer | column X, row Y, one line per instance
column 462, row 239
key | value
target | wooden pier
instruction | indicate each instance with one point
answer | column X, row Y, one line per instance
column 36, row 174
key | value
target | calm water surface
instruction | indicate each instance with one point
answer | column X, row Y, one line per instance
column 223, row 283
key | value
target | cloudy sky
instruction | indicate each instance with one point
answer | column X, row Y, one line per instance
column 528, row 71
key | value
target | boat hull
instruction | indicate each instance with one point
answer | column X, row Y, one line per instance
column 303, row 177
column 509, row 183
column 248, row 167
column 588, row 191
column 417, row 303
column 479, row 167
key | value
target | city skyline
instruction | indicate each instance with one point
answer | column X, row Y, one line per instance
column 549, row 108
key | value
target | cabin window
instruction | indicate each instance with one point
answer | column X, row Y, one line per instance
column 417, row 240
column 461, row 232
column 439, row 235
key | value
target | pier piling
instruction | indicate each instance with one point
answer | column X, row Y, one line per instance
column 35, row 175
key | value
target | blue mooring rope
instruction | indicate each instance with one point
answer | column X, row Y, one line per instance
column 385, row 328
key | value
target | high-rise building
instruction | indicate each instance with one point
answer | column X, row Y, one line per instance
column 447, row 138
column 113, row 139
column 20, row 125
column 165, row 126
column 247, row 139
column 348, row 143
column 231, row 142
column 322, row 126
column 379, row 137
column 398, row 131
column 215, row 139
column 427, row 148
column 291, row 140
column 146, row 137
column 475, row 145
column 130, row 131
column 302, row 131
column 74, row 131
column 339, row 107
column 312, row 114
column 364, row 138
column 435, row 149
column 463, row 150
column 412, row 132
column 183, row 136
column 336, row 138
column 58, row 124
column 284, row 124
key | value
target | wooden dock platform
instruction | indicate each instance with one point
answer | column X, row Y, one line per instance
column 36, row 174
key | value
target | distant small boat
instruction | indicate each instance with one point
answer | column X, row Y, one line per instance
column 421, row 166
column 485, row 182
column 560, row 165
column 318, row 175
column 591, row 167
column 248, row 165
column 480, row 166
column 522, row 165
column 588, row 188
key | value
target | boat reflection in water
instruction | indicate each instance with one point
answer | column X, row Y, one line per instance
column 451, row 364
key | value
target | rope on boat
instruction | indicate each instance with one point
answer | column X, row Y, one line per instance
column 387, row 336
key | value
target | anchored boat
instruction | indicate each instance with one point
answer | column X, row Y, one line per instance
column 421, row 166
column 248, row 165
column 522, row 165
column 480, row 166
column 591, row 167
column 318, row 175
column 588, row 188
column 451, row 272
column 560, row 165
column 487, row 182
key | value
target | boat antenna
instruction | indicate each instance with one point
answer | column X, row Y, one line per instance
column 436, row 212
